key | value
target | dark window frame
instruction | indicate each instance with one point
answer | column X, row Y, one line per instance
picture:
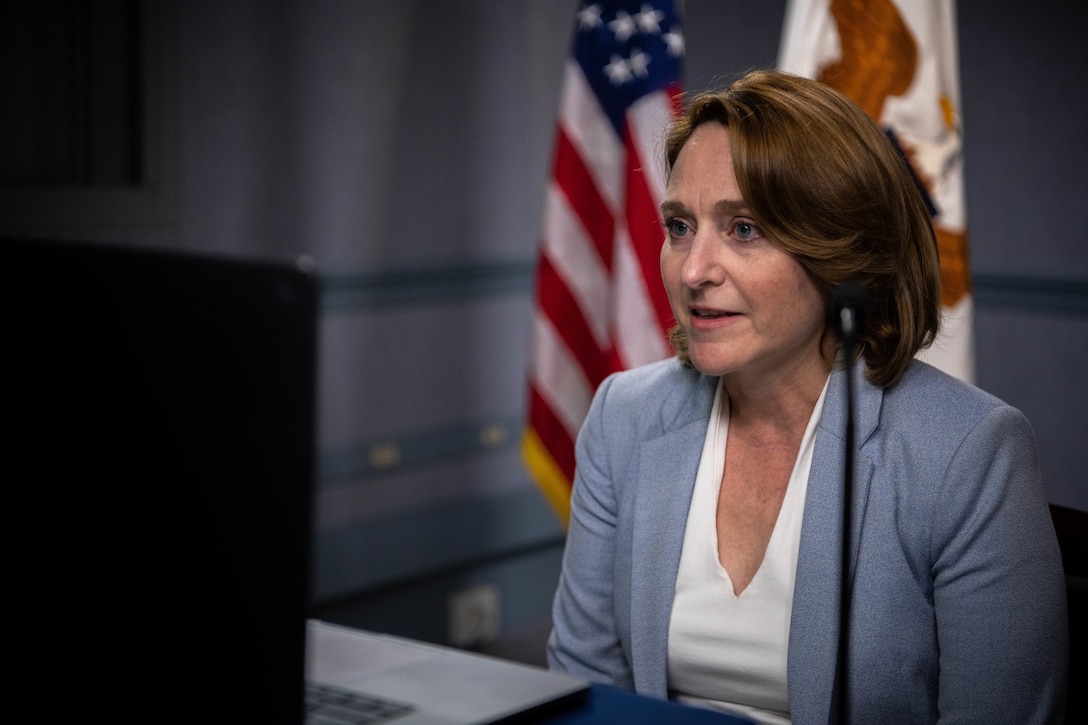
column 137, row 186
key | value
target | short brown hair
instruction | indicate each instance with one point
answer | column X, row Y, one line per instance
column 825, row 183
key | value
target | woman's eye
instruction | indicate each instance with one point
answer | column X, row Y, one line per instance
column 746, row 231
column 676, row 228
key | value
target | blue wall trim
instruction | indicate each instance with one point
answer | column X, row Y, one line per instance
column 373, row 457
column 344, row 292
column 1039, row 294
column 339, row 292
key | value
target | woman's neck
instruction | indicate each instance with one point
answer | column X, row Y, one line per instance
column 784, row 403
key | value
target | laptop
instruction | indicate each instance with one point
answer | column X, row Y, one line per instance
column 159, row 489
column 435, row 684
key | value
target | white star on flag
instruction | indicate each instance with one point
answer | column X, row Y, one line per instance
column 618, row 71
column 649, row 20
column 638, row 63
column 623, row 26
column 589, row 17
column 675, row 42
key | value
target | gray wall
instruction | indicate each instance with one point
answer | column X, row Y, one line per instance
column 404, row 146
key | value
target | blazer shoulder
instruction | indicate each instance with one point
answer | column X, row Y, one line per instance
column 931, row 398
column 658, row 396
column 930, row 418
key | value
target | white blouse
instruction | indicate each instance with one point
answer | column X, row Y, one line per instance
column 728, row 652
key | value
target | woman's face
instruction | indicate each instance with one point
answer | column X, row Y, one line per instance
column 748, row 309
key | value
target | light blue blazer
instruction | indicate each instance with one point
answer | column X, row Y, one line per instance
column 959, row 610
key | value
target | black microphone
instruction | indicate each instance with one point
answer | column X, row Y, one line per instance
column 846, row 311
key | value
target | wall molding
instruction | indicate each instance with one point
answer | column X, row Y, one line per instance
column 369, row 458
column 428, row 285
column 422, row 285
column 1047, row 295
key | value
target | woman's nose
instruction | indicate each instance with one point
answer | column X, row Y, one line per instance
column 702, row 266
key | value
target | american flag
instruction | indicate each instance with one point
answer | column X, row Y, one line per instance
column 600, row 305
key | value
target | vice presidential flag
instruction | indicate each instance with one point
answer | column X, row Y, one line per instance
column 897, row 60
column 600, row 304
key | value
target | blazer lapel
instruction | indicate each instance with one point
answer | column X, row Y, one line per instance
column 666, row 479
column 814, row 625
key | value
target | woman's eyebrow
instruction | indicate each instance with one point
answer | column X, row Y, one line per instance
column 671, row 207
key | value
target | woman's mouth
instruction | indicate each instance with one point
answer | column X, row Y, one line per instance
column 710, row 314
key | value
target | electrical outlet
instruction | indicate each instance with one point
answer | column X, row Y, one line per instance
column 475, row 616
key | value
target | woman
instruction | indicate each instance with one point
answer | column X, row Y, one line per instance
column 703, row 558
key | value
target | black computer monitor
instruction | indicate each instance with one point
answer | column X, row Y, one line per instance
column 158, row 480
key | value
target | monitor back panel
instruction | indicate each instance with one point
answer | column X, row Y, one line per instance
column 159, row 480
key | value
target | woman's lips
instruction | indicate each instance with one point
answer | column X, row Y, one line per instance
column 705, row 318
